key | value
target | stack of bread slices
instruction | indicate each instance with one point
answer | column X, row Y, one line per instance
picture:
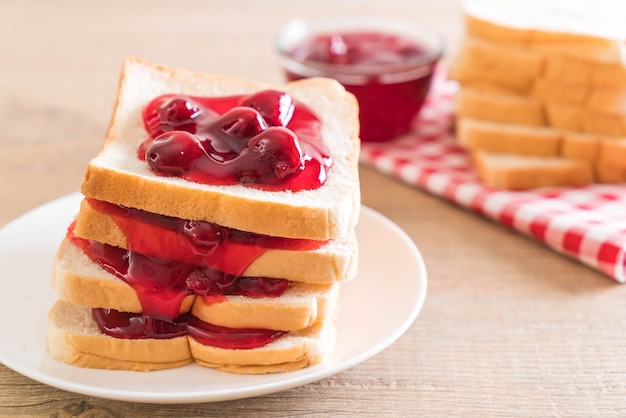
column 131, row 211
column 542, row 100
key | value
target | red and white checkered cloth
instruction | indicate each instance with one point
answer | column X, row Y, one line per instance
column 586, row 223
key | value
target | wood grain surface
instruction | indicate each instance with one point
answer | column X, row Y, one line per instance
column 509, row 328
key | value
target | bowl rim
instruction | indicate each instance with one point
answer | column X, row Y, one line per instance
column 307, row 27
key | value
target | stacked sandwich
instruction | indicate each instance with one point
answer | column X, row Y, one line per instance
column 217, row 223
column 543, row 91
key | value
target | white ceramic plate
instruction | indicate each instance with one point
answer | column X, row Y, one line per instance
column 376, row 308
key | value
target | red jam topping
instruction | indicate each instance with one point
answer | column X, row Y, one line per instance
column 201, row 243
column 384, row 71
column 162, row 285
column 264, row 140
column 239, row 338
column 136, row 326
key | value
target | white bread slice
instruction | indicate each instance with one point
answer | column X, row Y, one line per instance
column 585, row 145
column 559, row 23
column 613, row 150
column 512, row 69
column 515, row 172
column 611, row 172
column 73, row 337
column 298, row 308
column 336, row 260
column 80, row 281
column 609, row 124
column 502, row 108
column 583, row 70
column 476, row 134
column 610, row 75
column 550, row 91
column 565, row 116
column 498, row 61
column 116, row 175
column 581, row 118
column 291, row 352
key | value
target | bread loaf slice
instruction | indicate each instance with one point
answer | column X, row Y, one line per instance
column 477, row 134
column 515, row 172
column 335, row 260
column 116, row 175
column 502, row 108
column 560, row 23
column 294, row 351
column 78, row 280
column 73, row 337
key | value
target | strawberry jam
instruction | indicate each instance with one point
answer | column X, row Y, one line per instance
column 388, row 67
column 162, row 285
column 201, row 243
column 136, row 326
column 239, row 338
column 265, row 140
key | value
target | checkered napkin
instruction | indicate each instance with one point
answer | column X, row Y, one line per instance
column 586, row 223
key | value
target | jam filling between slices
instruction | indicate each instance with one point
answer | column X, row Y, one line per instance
column 201, row 243
column 162, row 284
column 137, row 326
column 265, row 140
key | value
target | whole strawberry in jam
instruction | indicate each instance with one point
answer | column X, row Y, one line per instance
column 264, row 140
column 169, row 113
column 275, row 150
column 230, row 132
column 173, row 153
column 203, row 235
column 277, row 107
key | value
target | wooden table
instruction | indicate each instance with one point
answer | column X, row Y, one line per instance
column 509, row 328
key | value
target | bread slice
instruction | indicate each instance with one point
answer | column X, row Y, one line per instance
column 73, row 337
column 584, row 145
column 293, row 351
column 80, row 281
column 559, row 23
column 335, row 260
column 550, row 91
column 515, row 172
column 116, row 175
column 500, row 61
column 510, row 69
column 502, row 108
column 611, row 172
column 476, row 134
column 565, row 116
